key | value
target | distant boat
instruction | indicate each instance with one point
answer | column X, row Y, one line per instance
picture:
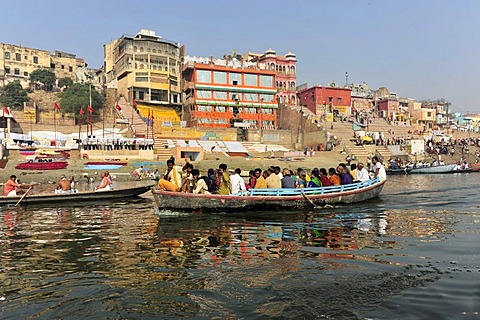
column 447, row 168
column 398, row 171
column 269, row 199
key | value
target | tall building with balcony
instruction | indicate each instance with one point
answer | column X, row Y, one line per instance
column 228, row 92
column 285, row 68
column 17, row 63
column 144, row 67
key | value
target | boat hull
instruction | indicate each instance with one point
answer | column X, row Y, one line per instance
column 236, row 203
column 448, row 168
column 77, row 198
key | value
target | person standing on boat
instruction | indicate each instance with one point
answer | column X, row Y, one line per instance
column 12, row 188
column 171, row 181
column 378, row 169
column 237, row 184
column 223, row 180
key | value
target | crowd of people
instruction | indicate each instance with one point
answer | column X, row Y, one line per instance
column 116, row 144
column 219, row 181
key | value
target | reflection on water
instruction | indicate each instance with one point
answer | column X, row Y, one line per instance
column 121, row 260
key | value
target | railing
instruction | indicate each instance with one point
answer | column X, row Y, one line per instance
column 308, row 191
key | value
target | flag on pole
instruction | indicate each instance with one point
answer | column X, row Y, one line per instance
column 5, row 110
column 90, row 109
column 134, row 102
column 56, row 106
column 117, row 106
column 81, row 111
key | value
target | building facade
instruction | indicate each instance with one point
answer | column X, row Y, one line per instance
column 285, row 68
column 17, row 63
column 227, row 93
column 144, row 67
column 326, row 100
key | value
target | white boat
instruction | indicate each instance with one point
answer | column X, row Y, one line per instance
column 447, row 168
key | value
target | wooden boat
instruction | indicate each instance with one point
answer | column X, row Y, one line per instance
column 54, row 165
column 105, row 163
column 447, row 168
column 77, row 198
column 398, row 171
column 269, row 199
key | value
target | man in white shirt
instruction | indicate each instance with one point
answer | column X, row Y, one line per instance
column 237, row 183
column 378, row 169
column 362, row 173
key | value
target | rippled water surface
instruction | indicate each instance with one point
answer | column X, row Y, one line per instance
column 413, row 253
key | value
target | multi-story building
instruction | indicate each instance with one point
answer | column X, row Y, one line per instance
column 229, row 92
column 17, row 63
column 327, row 100
column 285, row 68
column 144, row 67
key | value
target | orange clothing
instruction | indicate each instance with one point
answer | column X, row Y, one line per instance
column 261, row 183
column 335, row 180
column 9, row 186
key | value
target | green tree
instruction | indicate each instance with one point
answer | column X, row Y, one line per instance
column 44, row 76
column 65, row 82
column 78, row 96
column 13, row 95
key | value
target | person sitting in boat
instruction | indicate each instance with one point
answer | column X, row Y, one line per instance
column 378, row 169
column 261, row 176
column 12, row 188
column 237, row 184
column 301, row 181
column 200, row 185
column 315, row 180
column 172, row 180
column 324, row 177
column 287, row 180
column 105, row 184
column 273, row 181
column 362, row 173
column 187, row 177
column 334, row 178
column 223, row 179
column 252, row 180
column 345, row 176
column 63, row 186
column 211, row 181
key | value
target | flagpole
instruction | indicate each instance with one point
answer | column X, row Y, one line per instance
column 55, row 124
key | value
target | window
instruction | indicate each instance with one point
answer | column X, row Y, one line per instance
column 70, row 69
column 235, row 78
column 141, row 95
column 220, row 121
column 266, row 97
column 339, row 101
column 52, row 65
column 204, row 120
column 219, row 109
column 429, row 114
column 219, row 77
column 7, row 55
column 220, row 95
column 251, row 80
column 62, row 67
column 205, row 108
column 25, row 73
column 141, row 76
column 250, row 96
column 18, row 56
column 204, row 76
column 25, row 58
column 7, row 70
column 330, row 99
column 266, row 81
column 204, row 94
column 17, row 71
column 35, row 59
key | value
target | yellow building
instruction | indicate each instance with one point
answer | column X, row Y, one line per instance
column 17, row 63
column 144, row 67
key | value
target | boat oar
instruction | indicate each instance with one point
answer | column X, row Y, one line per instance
column 16, row 204
column 309, row 200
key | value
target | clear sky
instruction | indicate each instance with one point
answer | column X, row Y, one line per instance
column 417, row 48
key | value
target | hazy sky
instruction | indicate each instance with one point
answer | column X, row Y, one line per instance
column 418, row 49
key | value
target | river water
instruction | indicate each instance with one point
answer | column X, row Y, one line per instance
column 413, row 253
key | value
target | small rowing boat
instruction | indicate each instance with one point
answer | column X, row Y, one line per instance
column 269, row 199
column 78, row 198
column 447, row 168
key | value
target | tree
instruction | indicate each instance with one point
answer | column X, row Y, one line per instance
column 65, row 82
column 13, row 95
column 45, row 77
column 78, row 96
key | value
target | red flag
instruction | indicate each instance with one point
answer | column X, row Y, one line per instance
column 5, row 110
column 81, row 111
column 134, row 102
column 56, row 106
column 117, row 106
column 90, row 109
